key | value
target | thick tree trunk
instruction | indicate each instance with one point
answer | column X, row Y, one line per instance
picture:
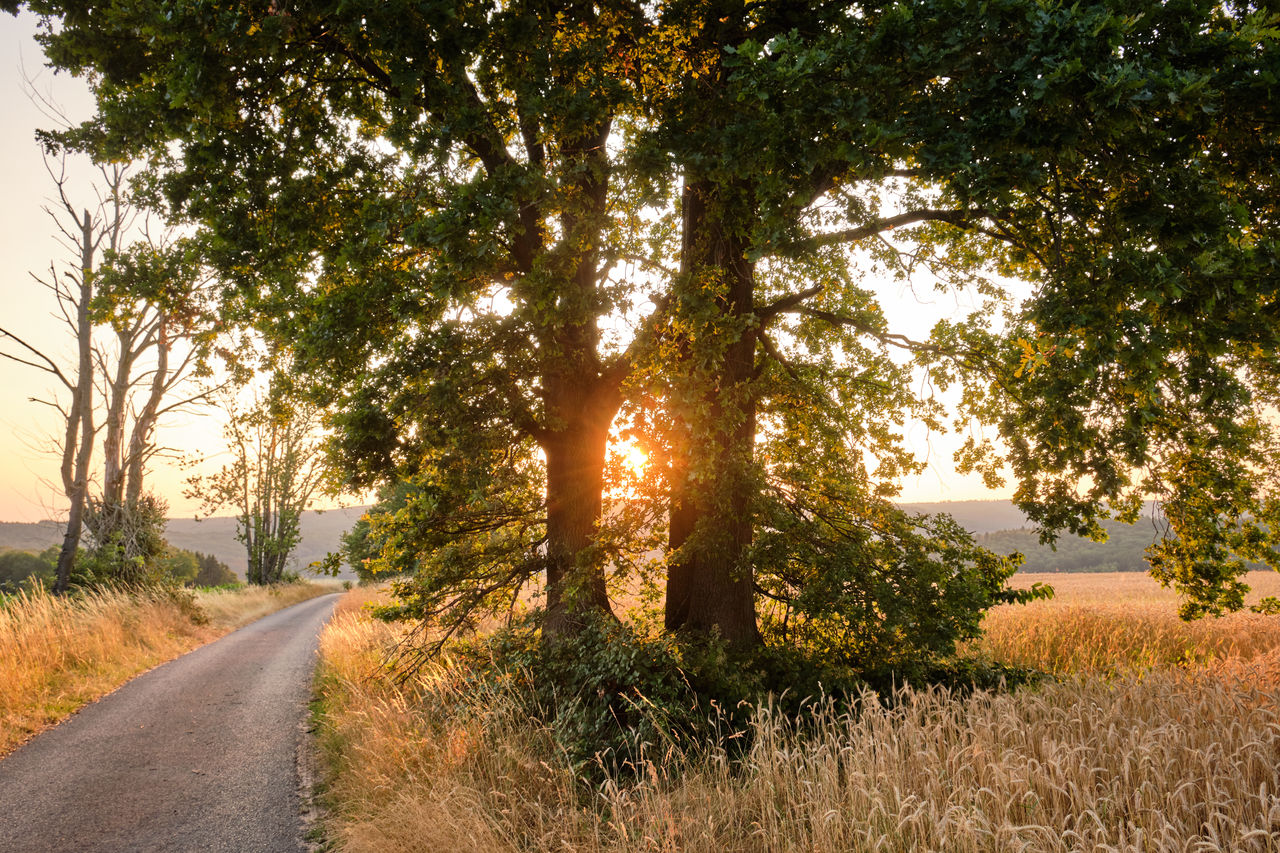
column 575, row 485
column 711, row 587
column 581, row 399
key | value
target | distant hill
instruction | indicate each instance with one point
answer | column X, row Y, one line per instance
column 321, row 532
column 975, row 516
column 1002, row 527
column 29, row 537
column 999, row 525
column 1122, row 552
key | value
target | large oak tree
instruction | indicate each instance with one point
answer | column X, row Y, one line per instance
column 426, row 203
column 1119, row 158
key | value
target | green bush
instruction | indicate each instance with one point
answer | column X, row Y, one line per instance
column 185, row 601
column 23, row 569
column 605, row 693
column 213, row 573
column 881, row 595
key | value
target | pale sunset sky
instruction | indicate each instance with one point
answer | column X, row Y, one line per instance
column 28, row 466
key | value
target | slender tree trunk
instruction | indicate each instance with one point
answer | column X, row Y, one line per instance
column 145, row 424
column 113, row 474
column 77, row 449
column 711, row 586
column 110, row 517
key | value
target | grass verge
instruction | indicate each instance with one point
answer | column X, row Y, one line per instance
column 57, row 654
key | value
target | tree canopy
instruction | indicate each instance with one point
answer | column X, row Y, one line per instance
column 494, row 236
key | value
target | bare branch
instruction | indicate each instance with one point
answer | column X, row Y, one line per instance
column 769, row 347
column 890, row 338
column 637, row 259
column 48, row 367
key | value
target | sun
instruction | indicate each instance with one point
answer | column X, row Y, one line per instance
column 634, row 458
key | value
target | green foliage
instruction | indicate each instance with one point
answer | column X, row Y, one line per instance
column 606, row 692
column 185, row 601
column 132, row 542
column 439, row 213
column 1145, row 364
column 363, row 544
column 466, row 544
column 212, row 572
column 128, row 546
column 610, row 694
column 178, row 567
column 877, row 590
column 24, row 569
column 1269, row 605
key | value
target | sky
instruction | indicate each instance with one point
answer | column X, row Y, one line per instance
column 28, row 467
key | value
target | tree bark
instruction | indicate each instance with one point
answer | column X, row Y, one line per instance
column 113, row 475
column 575, row 484
column 710, row 585
column 77, row 449
column 581, row 399
column 145, row 424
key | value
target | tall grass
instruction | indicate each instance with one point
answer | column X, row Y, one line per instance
column 1123, row 622
column 56, row 653
column 1167, row 751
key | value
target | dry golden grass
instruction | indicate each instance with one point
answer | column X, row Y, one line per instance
column 57, row 654
column 1161, row 753
column 1123, row 621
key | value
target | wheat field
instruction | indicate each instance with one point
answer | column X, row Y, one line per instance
column 56, row 654
column 1158, row 735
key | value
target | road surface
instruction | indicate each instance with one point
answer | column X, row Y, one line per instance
column 197, row 755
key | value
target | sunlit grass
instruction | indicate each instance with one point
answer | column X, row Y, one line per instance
column 1160, row 735
column 1123, row 621
column 56, row 654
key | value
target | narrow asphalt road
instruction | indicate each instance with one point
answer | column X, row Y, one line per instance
column 197, row 755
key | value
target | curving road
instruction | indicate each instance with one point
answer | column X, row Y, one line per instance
column 197, row 755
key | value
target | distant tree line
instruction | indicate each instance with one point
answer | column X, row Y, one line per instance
column 1125, row 549
column 24, row 570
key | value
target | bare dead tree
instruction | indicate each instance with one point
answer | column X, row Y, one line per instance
column 162, row 342
column 86, row 232
column 141, row 335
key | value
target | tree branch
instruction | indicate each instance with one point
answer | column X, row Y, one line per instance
column 49, row 366
column 959, row 218
column 772, row 350
column 788, row 303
